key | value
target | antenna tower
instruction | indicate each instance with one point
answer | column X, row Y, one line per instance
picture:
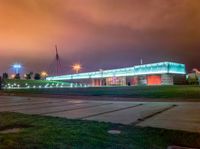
column 55, row 68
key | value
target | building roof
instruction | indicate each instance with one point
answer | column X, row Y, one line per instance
column 146, row 69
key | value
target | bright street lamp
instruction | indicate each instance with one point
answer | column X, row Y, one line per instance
column 77, row 67
column 44, row 74
column 17, row 67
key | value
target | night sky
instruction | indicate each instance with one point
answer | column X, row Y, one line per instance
column 99, row 33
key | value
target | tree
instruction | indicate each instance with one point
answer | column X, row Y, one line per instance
column 0, row 82
column 37, row 76
column 17, row 76
column 192, row 80
column 5, row 76
column 29, row 76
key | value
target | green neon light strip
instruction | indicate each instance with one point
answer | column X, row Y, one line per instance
column 155, row 68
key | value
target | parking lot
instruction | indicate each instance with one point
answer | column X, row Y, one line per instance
column 170, row 115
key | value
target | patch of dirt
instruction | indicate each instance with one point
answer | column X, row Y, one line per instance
column 114, row 132
column 12, row 130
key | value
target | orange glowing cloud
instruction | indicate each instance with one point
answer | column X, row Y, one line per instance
column 128, row 28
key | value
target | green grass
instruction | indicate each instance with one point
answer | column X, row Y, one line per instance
column 56, row 133
column 177, row 92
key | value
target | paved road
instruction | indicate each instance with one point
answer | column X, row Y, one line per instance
column 171, row 115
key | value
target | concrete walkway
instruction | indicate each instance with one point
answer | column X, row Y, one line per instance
column 170, row 115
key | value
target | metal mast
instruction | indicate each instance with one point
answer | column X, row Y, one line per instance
column 58, row 63
column 56, row 68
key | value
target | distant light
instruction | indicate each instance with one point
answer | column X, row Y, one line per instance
column 17, row 67
column 71, row 85
column 44, row 74
column 77, row 67
column 12, row 76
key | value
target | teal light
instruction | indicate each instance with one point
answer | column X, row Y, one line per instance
column 155, row 68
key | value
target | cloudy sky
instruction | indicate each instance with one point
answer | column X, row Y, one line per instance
column 98, row 33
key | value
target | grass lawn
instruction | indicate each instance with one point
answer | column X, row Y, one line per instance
column 57, row 133
column 181, row 92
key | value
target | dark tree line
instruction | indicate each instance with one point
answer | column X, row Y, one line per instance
column 27, row 76
column 5, row 75
column 37, row 76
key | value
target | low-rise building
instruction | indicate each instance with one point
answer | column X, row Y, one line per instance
column 163, row 73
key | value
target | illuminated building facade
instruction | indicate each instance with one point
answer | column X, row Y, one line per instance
column 163, row 73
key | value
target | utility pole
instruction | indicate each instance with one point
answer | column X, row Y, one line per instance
column 55, row 68
column 141, row 62
column 58, row 63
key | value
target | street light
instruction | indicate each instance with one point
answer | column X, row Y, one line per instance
column 12, row 76
column 44, row 74
column 17, row 67
column 77, row 67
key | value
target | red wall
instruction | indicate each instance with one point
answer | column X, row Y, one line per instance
column 134, row 81
column 97, row 82
column 154, row 80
